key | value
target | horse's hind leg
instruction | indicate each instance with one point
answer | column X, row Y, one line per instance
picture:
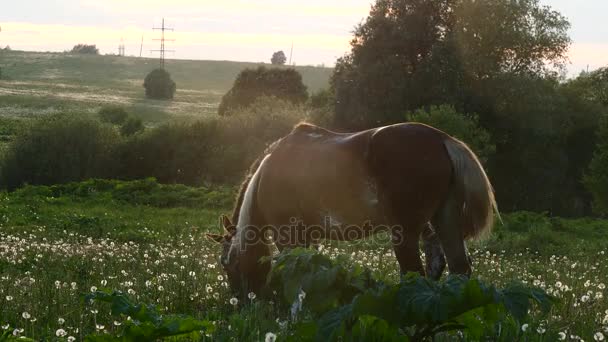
column 448, row 224
column 434, row 257
column 407, row 249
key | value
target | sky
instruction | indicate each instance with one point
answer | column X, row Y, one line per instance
column 240, row 30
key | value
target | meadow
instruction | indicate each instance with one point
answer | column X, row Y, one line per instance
column 60, row 243
column 35, row 84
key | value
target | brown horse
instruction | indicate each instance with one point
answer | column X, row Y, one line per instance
column 316, row 184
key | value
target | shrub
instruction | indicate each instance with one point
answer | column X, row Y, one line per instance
column 57, row 149
column 596, row 178
column 131, row 126
column 85, row 49
column 113, row 114
column 462, row 126
column 159, row 85
column 278, row 58
column 285, row 84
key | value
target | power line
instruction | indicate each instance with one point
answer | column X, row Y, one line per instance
column 162, row 40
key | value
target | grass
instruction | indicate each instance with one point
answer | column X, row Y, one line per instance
column 36, row 83
column 59, row 243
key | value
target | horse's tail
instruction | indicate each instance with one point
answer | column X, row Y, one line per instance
column 473, row 189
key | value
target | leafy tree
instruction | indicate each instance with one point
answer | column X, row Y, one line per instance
column 412, row 53
column 159, row 85
column 596, row 179
column 278, row 58
column 462, row 126
column 85, row 49
column 250, row 84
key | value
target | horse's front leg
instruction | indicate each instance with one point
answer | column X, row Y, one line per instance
column 405, row 244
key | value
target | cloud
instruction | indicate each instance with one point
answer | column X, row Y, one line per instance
column 20, row 35
column 236, row 7
column 594, row 55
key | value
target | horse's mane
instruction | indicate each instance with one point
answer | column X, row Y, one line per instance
column 252, row 169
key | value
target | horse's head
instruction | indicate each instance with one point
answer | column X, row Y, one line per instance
column 242, row 263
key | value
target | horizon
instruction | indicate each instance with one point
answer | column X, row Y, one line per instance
column 241, row 30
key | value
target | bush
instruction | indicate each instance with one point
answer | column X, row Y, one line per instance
column 462, row 126
column 159, row 85
column 285, row 84
column 85, row 49
column 113, row 114
column 58, row 149
column 596, row 178
column 131, row 126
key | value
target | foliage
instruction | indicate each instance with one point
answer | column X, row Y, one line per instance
column 131, row 126
column 159, row 85
column 146, row 323
column 115, row 115
column 462, row 126
column 57, row 149
column 85, row 49
column 596, row 179
column 417, row 307
column 412, row 53
column 278, row 58
column 285, row 84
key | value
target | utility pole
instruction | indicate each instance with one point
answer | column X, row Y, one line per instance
column 121, row 48
column 290, row 53
column 141, row 47
column 162, row 40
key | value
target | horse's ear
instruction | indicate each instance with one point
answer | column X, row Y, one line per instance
column 216, row 237
column 227, row 225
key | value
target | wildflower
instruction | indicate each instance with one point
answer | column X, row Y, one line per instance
column 598, row 336
column 104, row 282
column 5, row 327
column 524, row 327
column 99, row 327
column 26, row 315
column 270, row 337
column 74, row 286
column 93, row 288
column 71, row 338
column 541, row 330
column 251, row 295
column 601, row 286
column 234, row 301
column 117, row 323
column 60, row 333
column 9, row 298
column 60, row 321
column 584, row 298
column 220, row 277
column 561, row 336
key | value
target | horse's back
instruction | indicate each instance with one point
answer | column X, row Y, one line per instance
column 320, row 175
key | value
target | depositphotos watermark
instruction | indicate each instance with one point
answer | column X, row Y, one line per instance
column 298, row 234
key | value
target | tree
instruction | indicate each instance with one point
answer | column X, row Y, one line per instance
column 85, row 49
column 412, row 53
column 159, row 85
column 462, row 126
column 278, row 58
column 250, row 84
column 596, row 178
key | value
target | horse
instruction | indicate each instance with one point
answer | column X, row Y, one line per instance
column 409, row 179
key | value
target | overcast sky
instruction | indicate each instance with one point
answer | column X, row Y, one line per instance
column 242, row 30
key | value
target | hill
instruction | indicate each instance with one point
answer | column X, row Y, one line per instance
column 36, row 83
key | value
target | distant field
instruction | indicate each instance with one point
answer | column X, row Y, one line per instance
column 36, row 84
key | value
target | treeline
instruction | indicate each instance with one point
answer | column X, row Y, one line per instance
column 64, row 148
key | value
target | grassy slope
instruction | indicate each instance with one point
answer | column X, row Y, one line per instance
column 38, row 83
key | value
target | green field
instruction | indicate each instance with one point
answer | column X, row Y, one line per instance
column 59, row 243
column 36, row 84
